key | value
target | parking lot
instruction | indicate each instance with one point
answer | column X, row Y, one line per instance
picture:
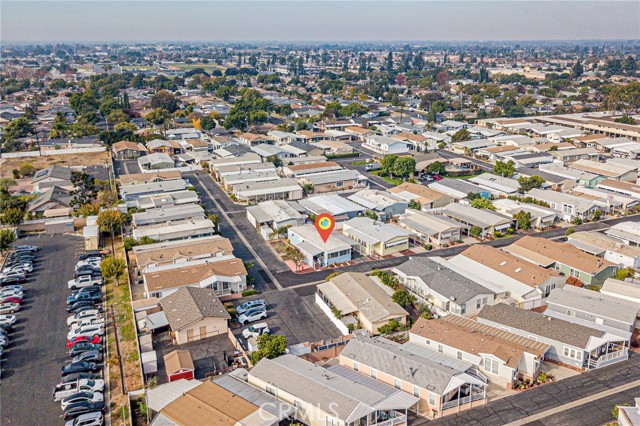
column 294, row 314
column 31, row 364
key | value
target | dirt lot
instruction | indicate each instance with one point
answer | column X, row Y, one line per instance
column 38, row 163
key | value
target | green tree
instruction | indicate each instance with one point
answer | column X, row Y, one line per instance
column 159, row 117
column 26, row 169
column 523, row 219
column 529, row 183
column 504, row 169
column 624, row 273
column 20, row 127
column 626, row 119
column 113, row 267
column 110, row 221
column 13, row 216
column 269, row 346
column 387, row 164
column 403, row 298
column 482, row 203
column 215, row 219
column 207, row 123
column 88, row 209
column 436, row 168
column 415, row 205
column 404, row 167
column 84, row 189
column 461, row 136
column 390, row 327
column 59, row 128
column 118, row 116
column 475, row 231
column 577, row 70
column 569, row 231
column 7, row 237
column 250, row 109
column 164, row 100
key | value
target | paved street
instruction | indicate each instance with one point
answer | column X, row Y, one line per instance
column 483, row 165
column 518, row 408
column 31, row 366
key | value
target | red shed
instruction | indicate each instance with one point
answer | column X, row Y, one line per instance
column 179, row 365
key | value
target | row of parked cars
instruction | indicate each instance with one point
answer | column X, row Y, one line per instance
column 15, row 270
column 81, row 389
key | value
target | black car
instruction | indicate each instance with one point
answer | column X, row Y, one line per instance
column 78, row 367
column 88, row 254
column 78, row 306
column 89, row 289
column 80, row 297
column 82, row 347
column 74, row 410
column 90, row 270
column 93, row 355
column 88, row 308
column 77, row 376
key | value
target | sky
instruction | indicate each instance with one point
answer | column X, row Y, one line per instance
column 316, row 21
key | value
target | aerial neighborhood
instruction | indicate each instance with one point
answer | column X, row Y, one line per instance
column 484, row 204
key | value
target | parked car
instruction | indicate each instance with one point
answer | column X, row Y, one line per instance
column 78, row 367
column 5, row 292
column 79, row 306
column 7, row 321
column 255, row 330
column 94, row 297
column 12, row 279
column 87, row 330
column 85, row 281
column 82, row 347
column 91, row 253
column 63, row 390
column 88, row 271
column 373, row 166
column 87, row 321
column 76, row 376
column 250, row 305
column 81, row 396
column 10, row 299
column 89, row 419
column 79, row 408
column 9, row 308
column 88, row 289
column 4, row 340
column 24, row 267
column 437, row 177
column 93, row 355
column 78, row 339
column 31, row 249
column 14, row 287
column 16, row 274
column 252, row 315
column 89, row 313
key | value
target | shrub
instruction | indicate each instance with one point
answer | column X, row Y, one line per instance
column 475, row 231
column 427, row 246
column 232, row 311
column 332, row 275
column 250, row 292
column 569, row 231
column 391, row 327
column 616, row 409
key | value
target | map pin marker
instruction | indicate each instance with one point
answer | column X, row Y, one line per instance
column 324, row 225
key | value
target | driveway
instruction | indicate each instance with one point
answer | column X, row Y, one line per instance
column 31, row 365
column 125, row 167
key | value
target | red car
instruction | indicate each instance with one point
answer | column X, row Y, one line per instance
column 11, row 299
column 437, row 177
column 91, row 339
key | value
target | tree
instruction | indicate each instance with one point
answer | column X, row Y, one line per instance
column 404, row 166
column 523, row 219
column 113, row 267
column 159, row 117
column 84, row 190
column 623, row 274
column 108, row 198
column 569, row 231
column 403, row 298
column 482, row 203
column 118, row 116
column 391, row 327
column 249, row 109
column 215, row 219
column 59, row 128
column 164, row 100
column 269, row 346
column 294, row 254
column 436, row 168
column 625, row 119
column 577, row 70
column 26, row 169
column 20, row 127
column 13, row 216
column 207, row 123
column 475, row 231
column 110, row 221
column 504, row 169
column 415, row 205
column 89, row 209
column 461, row 136
column 387, row 163
column 7, row 237
column 529, row 183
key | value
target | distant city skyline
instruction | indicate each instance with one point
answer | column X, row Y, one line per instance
column 317, row 21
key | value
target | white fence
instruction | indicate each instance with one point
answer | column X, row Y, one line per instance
column 46, row 152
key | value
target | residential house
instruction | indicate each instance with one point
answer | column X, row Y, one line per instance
column 316, row 252
column 486, row 221
column 134, row 192
column 444, row 384
column 570, row 343
column 155, row 201
column 221, row 173
column 51, row 202
column 354, row 298
column 153, row 177
column 339, row 207
column 376, row 238
column 428, row 228
column 178, row 230
column 606, row 247
column 593, row 309
column 568, row 207
column 252, row 139
column 459, row 189
column 180, row 251
column 160, row 146
column 270, row 217
column 428, row 197
column 279, row 189
column 498, row 186
column 472, row 146
column 385, row 204
column 526, row 283
column 607, row 170
column 443, row 286
column 579, row 177
column 623, row 290
column 52, row 176
column 282, row 138
column 229, row 181
column 324, row 397
column 312, row 168
column 168, row 214
column 627, row 232
column 359, row 133
column 563, row 257
column 128, row 150
column 385, row 145
column 551, row 181
column 155, row 161
column 337, row 181
column 629, row 416
column 541, row 217
column 194, row 314
column 503, row 356
column 627, row 189
column 184, row 133
column 570, row 155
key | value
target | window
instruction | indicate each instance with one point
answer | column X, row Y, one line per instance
column 478, row 304
column 432, row 399
column 416, row 391
column 463, row 309
column 397, row 383
column 571, row 313
column 459, row 355
column 575, row 273
column 356, row 366
column 339, row 184
column 491, row 366
column 572, row 353
column 440, row 348
column 374, row 374
column 270, row 390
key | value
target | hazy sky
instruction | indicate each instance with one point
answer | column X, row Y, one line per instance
column 49, row 21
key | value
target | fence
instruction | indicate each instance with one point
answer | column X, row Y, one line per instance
column 47, row 152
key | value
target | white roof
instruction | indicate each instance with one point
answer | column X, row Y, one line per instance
column 373, row 232
column 163, row 395
column 375, row 200
column 330, row 203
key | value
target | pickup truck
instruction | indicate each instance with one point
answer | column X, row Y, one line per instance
column 84, row 281
column 68, row 388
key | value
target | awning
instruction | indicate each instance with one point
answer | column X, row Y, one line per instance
column 156, row 320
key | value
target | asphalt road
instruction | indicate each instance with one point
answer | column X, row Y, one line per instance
column 487, row 167
column 31, row 365
column 525, row 404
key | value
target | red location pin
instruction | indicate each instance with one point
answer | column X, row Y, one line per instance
column 324, row 225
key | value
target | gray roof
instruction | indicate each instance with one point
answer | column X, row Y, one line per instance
column 538, row 324
column 55, row 172
column 548, row 177
column 190, row 304
column 592, row 302
column 442, row 280
column 457, row 185
column 53, row 194
column 483, row 218
column 391, row 358
column 330, row 177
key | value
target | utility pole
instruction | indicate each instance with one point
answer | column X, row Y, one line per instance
column 115, row 332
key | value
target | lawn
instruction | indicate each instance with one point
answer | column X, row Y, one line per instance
column 358, row 163
column 394, row 181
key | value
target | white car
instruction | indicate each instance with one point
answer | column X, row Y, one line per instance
column 81, row 396
column 255, row 330
column 88, row 314
column 64, row 390
column 252, row 315
column 7, row 320
column 5, row 292
column 86, row 322
column 13, row 287
column 88, row 419
column 84, row 281
column 9, row 308
column 87, row 330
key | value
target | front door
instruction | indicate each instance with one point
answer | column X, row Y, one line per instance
column 203, row 332
column 190, row 335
